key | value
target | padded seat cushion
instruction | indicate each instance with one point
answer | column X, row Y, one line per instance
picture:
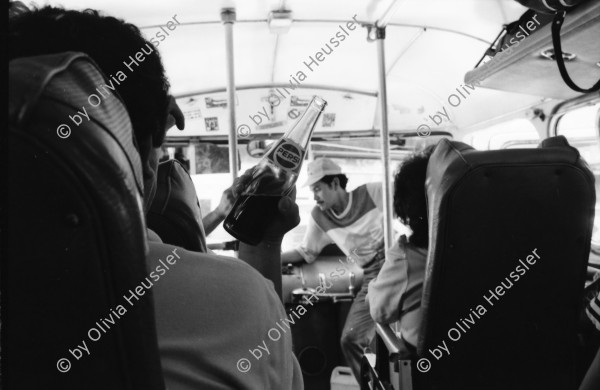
column 77, row 238
column 175, row 211
column 488, row 212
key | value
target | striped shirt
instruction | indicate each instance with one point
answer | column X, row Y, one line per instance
column 358, row 230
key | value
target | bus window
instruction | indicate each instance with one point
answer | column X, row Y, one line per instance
column 581, row 128
column 516, row 133
column 360, row 160
column 359, row 171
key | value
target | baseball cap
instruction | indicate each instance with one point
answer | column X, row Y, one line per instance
column 320, row 168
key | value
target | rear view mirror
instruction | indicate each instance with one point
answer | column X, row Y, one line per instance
column 257, row 149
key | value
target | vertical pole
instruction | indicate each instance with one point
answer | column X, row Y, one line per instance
column 228, row 19
column 385, row 141
column 191, row 156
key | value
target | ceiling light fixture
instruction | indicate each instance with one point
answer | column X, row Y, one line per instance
column 280, row 21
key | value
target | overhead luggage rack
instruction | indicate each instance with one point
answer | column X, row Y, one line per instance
column 528, row 68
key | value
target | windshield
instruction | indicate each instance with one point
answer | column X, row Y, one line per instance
column 360, row 159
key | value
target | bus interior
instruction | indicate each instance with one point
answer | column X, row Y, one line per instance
column 397, row 76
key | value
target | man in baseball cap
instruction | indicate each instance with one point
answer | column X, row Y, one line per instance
column 320, row 168
column 354, row 221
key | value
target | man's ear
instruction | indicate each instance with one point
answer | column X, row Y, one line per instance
column 335, row 183
column 174, row 115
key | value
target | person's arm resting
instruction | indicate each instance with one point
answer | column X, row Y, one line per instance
column 212, row 220
column 385, row 292
column 315, row 239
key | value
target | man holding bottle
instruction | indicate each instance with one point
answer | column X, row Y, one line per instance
column 262, row 187
column 200, row 304
column 354, row 221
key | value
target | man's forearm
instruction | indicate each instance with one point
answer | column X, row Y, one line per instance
column 211, row 221
column 265, row 258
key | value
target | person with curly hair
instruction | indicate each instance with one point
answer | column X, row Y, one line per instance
column 395, row 295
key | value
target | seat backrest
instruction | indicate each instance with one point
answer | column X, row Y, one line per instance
column 175, row 211
column 76, row 237
column 509, row 237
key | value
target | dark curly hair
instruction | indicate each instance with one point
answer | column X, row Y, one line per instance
column 410, row 200
column 341, row 177
column 109, row 42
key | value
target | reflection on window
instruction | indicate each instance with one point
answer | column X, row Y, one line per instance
column 517, row 133
column 580, row 127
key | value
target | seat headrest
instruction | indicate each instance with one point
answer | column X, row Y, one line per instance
column 554, row 142
column 77, row 239
column 84, row 113
column 175, row 211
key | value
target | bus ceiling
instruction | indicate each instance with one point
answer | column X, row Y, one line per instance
column 244, row 68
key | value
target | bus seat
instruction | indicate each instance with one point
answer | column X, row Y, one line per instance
column 77, row 238
column 509, row 242
column 175, row 211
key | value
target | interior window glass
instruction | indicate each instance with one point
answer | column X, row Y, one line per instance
column 581, row 128
column 516, row 133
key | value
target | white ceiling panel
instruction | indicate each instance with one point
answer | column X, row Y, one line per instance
column 430, row 45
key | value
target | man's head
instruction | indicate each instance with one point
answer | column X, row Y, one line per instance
column 109, row 42
column 410, row 200
column 327, row 182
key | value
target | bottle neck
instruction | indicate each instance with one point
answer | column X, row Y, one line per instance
column 303, row 129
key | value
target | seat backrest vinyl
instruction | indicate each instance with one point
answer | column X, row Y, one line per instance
column 76, row 238
column 175, row 213
column 521, row 220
